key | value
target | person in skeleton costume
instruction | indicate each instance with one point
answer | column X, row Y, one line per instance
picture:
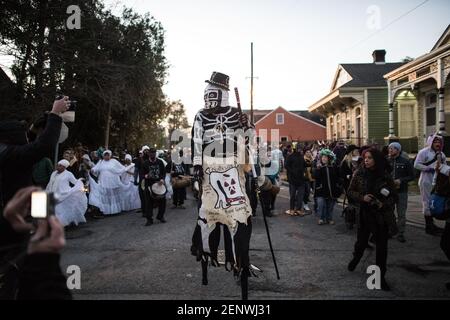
column 218, row 151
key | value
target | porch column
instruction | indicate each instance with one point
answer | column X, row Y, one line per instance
column 391, row 110
column 440, row 85
column 441, row 92
column 391, row 137
column 391, row 120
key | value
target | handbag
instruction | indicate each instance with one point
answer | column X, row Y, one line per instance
column 439, row 207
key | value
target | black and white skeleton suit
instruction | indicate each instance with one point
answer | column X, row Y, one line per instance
column 219, row 152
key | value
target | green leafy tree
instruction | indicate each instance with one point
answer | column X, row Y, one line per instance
column 113, row 66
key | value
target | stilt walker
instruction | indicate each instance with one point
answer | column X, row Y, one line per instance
column 219, row 160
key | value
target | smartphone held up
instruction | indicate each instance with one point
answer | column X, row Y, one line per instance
column 42, row 204
column 69, row 115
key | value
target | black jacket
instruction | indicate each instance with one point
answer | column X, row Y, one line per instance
column 155, row 170
column 18, row 160
column 403, row 170
column 328, row 184
column 139, row 170
column 295, row 166
column 16, row 165
column 363, row 184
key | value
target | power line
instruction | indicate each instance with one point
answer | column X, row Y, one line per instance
column 387, row 26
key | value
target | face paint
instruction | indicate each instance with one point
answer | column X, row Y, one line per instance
column 215, row 97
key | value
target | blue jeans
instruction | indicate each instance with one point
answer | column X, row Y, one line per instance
column 325, row 208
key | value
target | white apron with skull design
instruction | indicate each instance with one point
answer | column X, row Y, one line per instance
column 224, row 199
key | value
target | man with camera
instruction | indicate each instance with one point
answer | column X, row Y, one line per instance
column 17, row 158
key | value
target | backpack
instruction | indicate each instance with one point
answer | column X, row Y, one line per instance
column 439, row 202
column 439, row 207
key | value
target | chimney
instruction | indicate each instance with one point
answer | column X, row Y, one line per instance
column 379, row 56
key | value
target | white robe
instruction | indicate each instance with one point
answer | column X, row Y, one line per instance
column 130, row 193
column 108, row 192
column 71, row 202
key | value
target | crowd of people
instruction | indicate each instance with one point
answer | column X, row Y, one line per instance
column 98, row 183
column 372, row 181
column 102, row 183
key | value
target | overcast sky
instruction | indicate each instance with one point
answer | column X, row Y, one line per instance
column 297, row 44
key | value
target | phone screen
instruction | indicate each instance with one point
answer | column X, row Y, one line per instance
column 39, row 204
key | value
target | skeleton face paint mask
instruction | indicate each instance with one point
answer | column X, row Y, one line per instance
column 215, row 97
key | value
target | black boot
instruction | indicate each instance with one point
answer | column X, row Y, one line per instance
column 352, row 265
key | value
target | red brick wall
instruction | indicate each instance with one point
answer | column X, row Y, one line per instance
column 295, row 128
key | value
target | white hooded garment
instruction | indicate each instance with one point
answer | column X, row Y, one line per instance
column 71, row 202
column 108, row 193
column 130, row 192
column 425, row 164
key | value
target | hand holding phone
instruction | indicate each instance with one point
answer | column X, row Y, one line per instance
column 18, row 208
column 42, row 204
column 49, row 237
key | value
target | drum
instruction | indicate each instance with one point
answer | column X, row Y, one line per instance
column 158, row 191
column 181, row 182
column 264, row 183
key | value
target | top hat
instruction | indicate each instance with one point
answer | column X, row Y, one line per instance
column 219, row 79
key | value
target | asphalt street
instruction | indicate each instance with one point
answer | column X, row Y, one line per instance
column 120, row 258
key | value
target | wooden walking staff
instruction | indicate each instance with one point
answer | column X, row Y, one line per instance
column 238, row 100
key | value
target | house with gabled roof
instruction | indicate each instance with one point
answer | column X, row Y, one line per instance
column 283, row 126
column 419, row 97
column 356, row 109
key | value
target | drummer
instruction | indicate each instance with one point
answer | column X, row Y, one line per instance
column 176, row 171
column 155, row 172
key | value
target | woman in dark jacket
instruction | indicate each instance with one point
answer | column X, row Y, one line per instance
column 373, row 191
column 327, row 186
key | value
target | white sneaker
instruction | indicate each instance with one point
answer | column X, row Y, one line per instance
column 306, row 207
column 321, row 222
